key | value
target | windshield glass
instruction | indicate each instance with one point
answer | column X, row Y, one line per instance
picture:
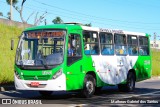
column 42, row 47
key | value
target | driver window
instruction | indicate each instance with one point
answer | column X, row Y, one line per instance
column 74, row 45
column 74, row 51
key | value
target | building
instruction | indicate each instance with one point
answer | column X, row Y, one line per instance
column 157, row 45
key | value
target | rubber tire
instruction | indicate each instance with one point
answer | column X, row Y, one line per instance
column 90, row 80
column 45, row 93
column 130, row 86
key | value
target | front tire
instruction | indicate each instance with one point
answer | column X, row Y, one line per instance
column 130, row 85
column 89, row 86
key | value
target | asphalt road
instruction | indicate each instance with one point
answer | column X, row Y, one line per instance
column 147, row 93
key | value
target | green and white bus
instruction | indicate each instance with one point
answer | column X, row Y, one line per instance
column 100, row 57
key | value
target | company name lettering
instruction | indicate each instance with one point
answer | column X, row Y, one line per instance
column 111, row 30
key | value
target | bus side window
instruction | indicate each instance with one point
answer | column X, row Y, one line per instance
column 91, row 46
column 106, row 41
column 120, row 44
column 143, row 46
column 132, row 44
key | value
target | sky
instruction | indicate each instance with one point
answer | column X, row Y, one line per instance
column 129, row 15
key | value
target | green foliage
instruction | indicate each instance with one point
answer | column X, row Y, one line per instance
column 13, row 2
column 6, row 55
column 1, row 14
column 155, row 62
column 57, row 20
column 89, row 24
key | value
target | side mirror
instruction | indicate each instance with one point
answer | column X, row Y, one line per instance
column 12, row 44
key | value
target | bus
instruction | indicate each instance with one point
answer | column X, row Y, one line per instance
column 70, row 57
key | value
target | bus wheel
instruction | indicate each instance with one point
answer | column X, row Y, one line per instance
column 89, row 86
column 45, row 93
column 130, row 83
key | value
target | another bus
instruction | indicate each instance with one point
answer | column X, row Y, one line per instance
column 100, row 57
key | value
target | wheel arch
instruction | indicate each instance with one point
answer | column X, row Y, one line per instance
column 134, row 72
column 94, row 75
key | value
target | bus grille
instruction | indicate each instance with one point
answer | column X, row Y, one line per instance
column 46, row 77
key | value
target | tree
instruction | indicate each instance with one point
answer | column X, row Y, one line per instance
column 1, row 14
column 8, row 15
column 89, row 24
column 38, row 20
column 14, row 2
column 57, row 20
column 11, row 3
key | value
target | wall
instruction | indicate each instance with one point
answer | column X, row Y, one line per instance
column 14, row 23
column 157, row 44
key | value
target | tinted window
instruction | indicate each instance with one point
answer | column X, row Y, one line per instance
column 120, row 44
column 106, row 41
column 91, row 46
column 132, row 44
column 143, row 46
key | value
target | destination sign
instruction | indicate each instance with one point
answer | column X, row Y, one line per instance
column 111, row 30
column 45, row 34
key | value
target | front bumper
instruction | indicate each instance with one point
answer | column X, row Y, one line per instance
column 58, row 84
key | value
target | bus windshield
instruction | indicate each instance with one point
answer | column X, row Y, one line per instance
column 41, row 48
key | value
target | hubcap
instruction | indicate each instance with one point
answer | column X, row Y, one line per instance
column 130, row 82
column 89, row 86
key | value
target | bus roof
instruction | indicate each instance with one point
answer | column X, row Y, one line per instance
column 112, row 31
column 70, row 26
column 55, row 26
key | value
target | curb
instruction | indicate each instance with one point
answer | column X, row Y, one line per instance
column 7, row 88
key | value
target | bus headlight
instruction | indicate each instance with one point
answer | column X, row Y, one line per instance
column 57, row 74
column 17, row 75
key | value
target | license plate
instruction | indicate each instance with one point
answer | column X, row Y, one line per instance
column 34, row 84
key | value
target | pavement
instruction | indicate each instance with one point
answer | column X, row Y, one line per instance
column 147, row 93
column 12, row 87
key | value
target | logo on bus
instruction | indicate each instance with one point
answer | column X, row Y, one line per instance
column 35, row 78
column 111, row 30
column 46, row 72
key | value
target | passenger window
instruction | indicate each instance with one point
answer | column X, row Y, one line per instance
column 132, row 44
column 106, row 41
column 120, row 44
column 91, row 46
column 143, row 46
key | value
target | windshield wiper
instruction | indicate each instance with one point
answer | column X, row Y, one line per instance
column 44, row 62
column 42, row 59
